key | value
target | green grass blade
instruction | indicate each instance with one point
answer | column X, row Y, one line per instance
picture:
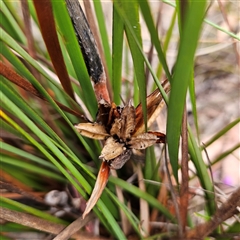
column 138, row 44
column 202, row 173
column 16, row 30
column 154, row 35
column 194, row 105
column 31, row 210
column 140, row 194
column 68, row 34
column 171, row 3
column 221, row 132
column 117, row 46
column 30, row 167
column 130, row 13
column 104, row 36
column 181, row 77
column 29, row 156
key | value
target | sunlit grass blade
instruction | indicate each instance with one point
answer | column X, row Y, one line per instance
column 130, row 215
column 138, row 44
column 24, row 154
column 226, row 153
column 167, row 40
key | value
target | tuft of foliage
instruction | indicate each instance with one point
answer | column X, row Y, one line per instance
column 46, row 89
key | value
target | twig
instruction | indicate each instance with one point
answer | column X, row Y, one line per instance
column 12, row 188
column 31, row 221
column 67, row 232
column 227, row 210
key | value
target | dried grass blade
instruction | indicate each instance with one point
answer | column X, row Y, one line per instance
column 100, row 184
column 15, row 78
column 48, row 30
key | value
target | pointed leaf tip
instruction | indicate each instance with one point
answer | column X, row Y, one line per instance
column 100, row 184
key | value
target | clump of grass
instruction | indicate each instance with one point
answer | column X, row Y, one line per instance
column 46, row 89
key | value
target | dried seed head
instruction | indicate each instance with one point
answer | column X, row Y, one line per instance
column 119, row 161
column 111, row 149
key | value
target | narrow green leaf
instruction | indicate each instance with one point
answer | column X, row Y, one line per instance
column 130, row 11
column 30, row 167
column 145, row 8
column 72, row 46
column 181, row 77
column 221, row 132
column 32, row 210
column 202, row 172
column 31, row 157
column 140, row 194
column 171, row 3
column 226, row 153
column 194, row 105
column 104, row 36
column 138, row 44
column 117, row 46
column 14, row 25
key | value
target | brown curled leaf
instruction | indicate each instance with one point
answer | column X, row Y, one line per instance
column 161, row 137
column 143, row 141
column 92, row 130
column 100, row 184
column 153, row 105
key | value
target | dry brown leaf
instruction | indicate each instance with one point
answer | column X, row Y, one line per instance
column 143, row 141
column 100, row 184
column 92, row 130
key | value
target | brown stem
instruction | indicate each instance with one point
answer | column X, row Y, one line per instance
column 184, row 170
column 67, row 232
